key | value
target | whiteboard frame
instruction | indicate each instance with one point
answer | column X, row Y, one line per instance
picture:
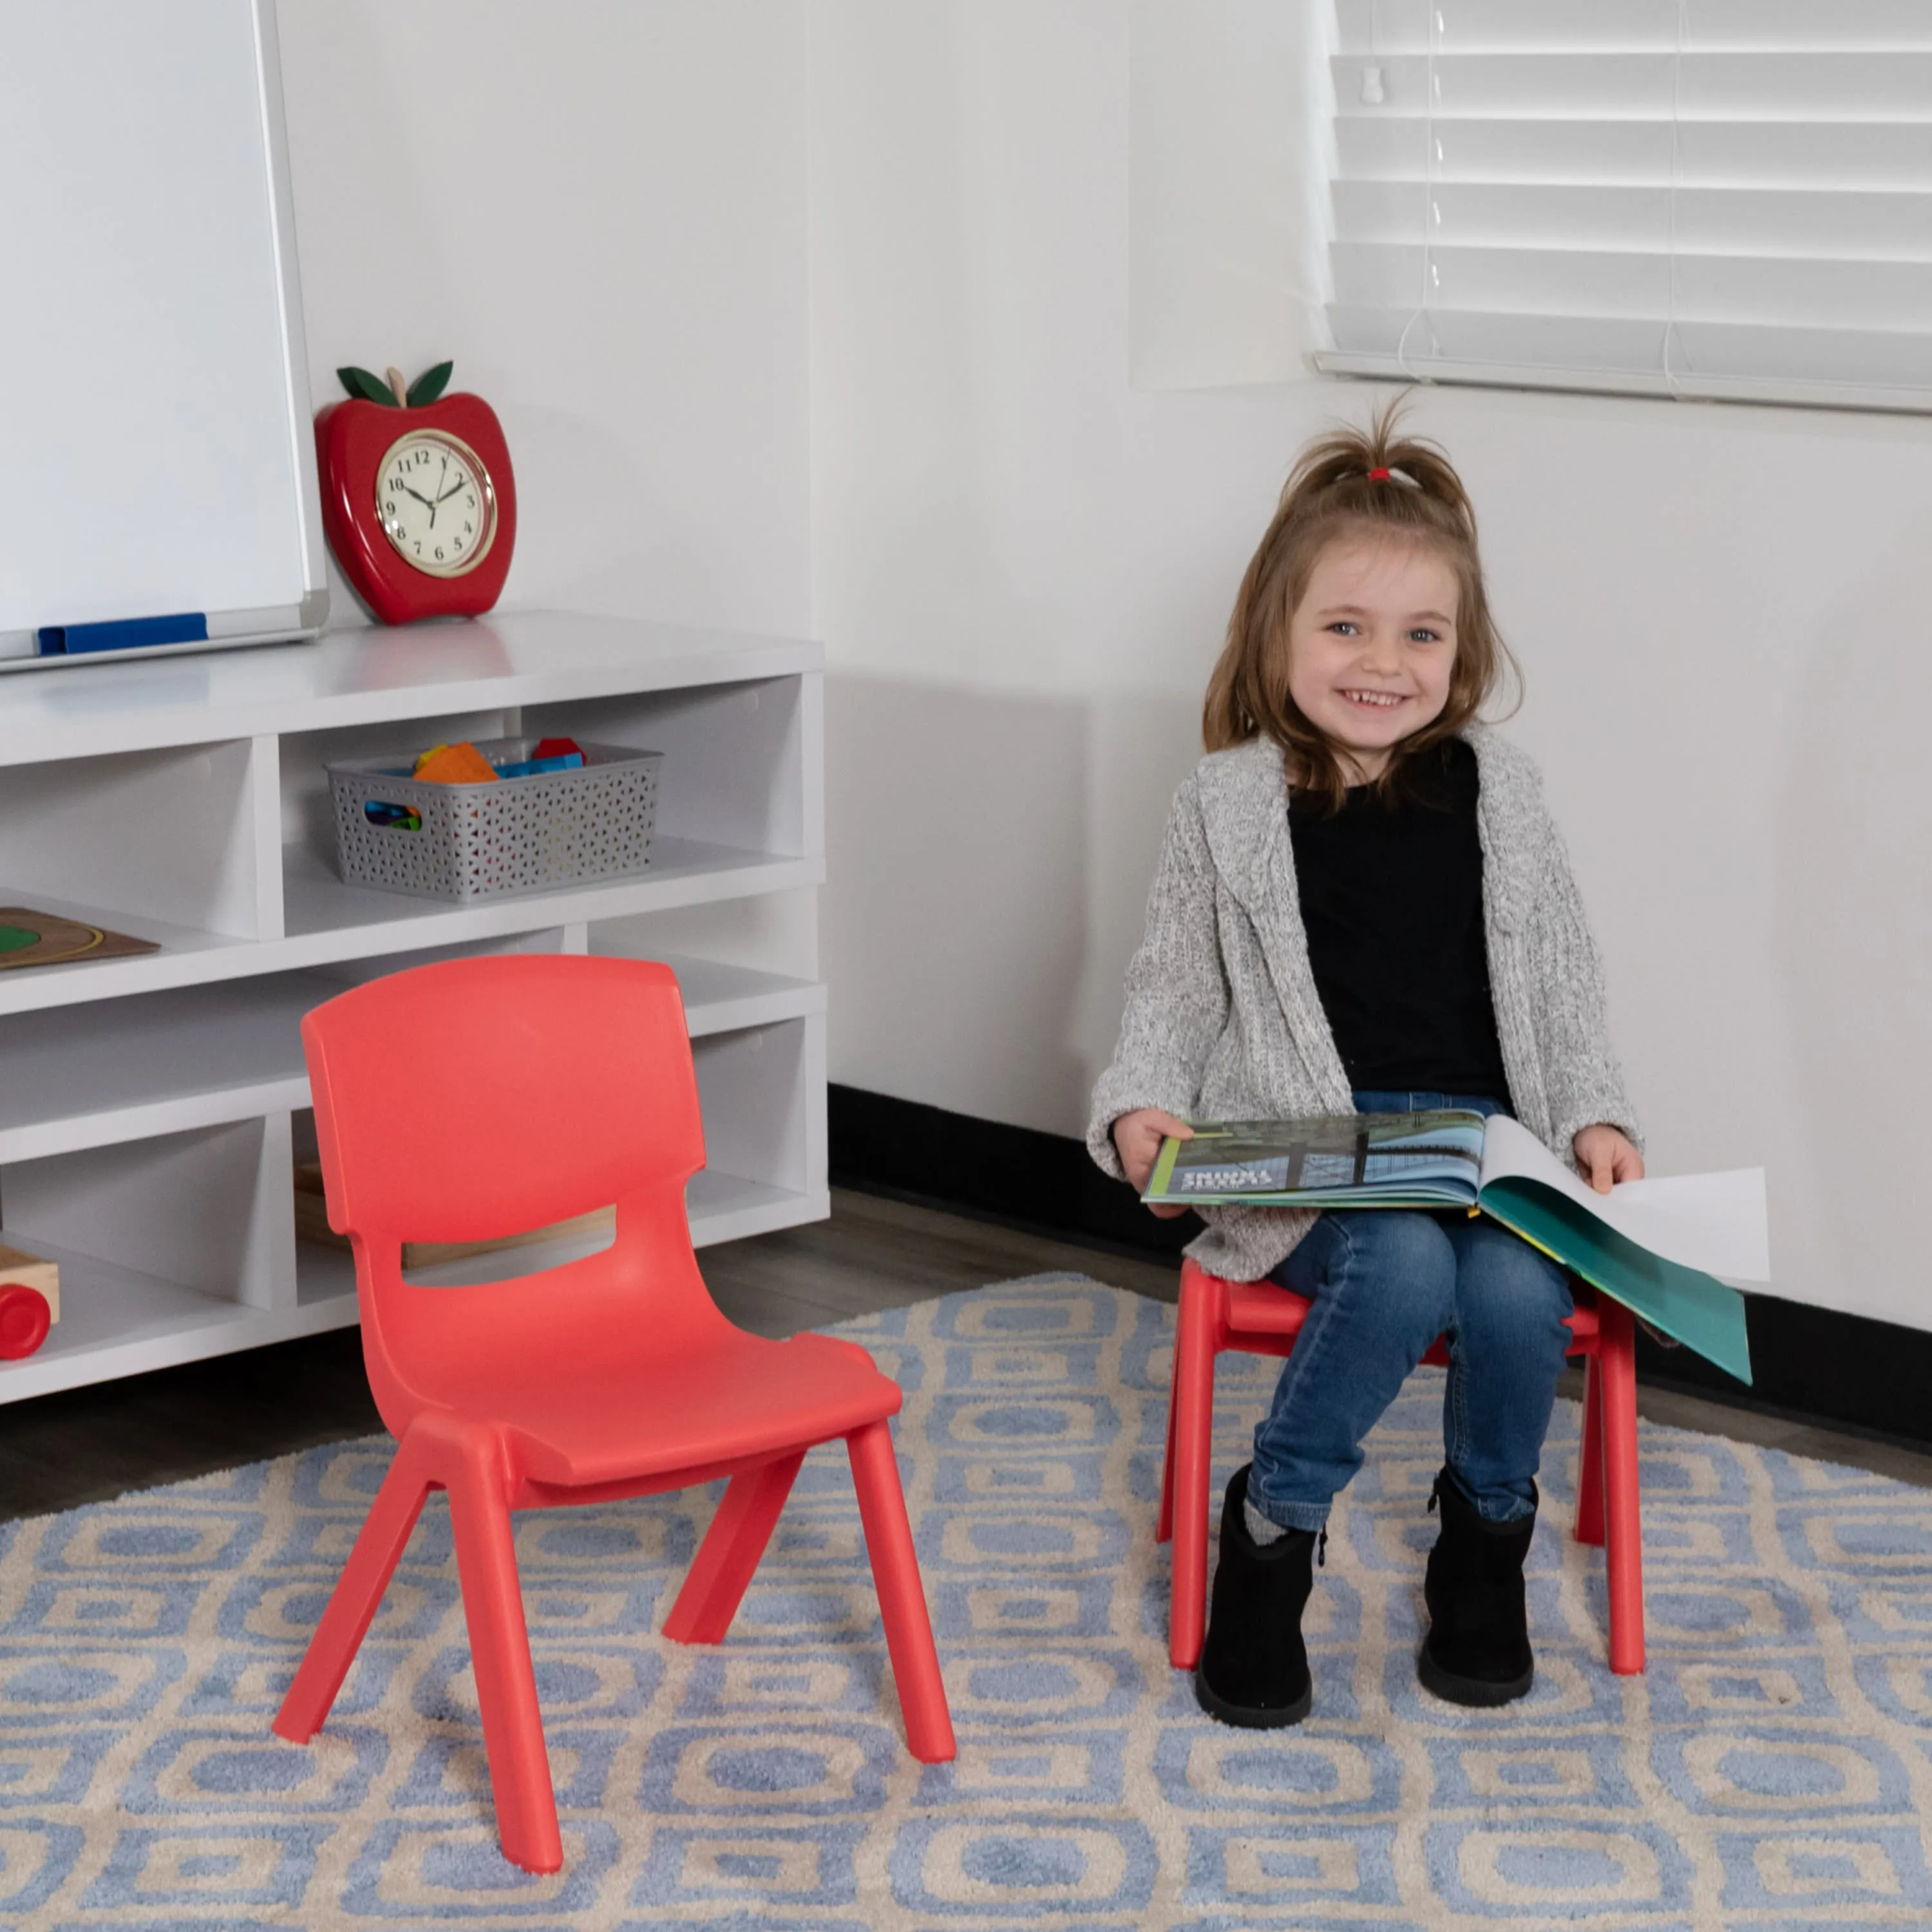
column 295, row 622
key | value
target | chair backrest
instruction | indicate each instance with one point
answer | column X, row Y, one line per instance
column 482, row 1098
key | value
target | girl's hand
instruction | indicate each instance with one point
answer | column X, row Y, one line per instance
column 1604, row 1156
column 1137, row 1139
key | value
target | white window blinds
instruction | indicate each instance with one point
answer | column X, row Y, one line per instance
column 1717, row 198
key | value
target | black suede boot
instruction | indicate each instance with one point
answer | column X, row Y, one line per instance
column 1477, row 1649
column 1254, row 1666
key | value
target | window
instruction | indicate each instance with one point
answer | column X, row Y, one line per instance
column 1707, row 198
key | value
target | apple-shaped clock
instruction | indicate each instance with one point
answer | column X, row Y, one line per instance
column 418, row 499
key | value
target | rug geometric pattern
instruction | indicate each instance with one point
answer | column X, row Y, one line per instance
column 1772, row 1770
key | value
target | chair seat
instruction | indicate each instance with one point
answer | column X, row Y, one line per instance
column 724, row 1399
column 1264, row 1318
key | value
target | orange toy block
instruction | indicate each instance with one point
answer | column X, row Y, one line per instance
column 455, row 764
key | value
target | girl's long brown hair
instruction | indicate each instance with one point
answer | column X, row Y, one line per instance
column 1329, row 495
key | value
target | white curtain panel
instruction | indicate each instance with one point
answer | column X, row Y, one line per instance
column 1713, row 198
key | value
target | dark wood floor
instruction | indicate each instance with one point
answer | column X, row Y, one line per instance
column 90, row 1444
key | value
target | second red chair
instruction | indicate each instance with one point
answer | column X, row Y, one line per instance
column 483, row 1098
column 1259, row 1318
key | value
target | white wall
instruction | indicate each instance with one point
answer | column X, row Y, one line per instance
column 599, row 211
column 1023, row 563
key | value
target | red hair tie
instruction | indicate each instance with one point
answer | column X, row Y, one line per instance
column 1378, row 476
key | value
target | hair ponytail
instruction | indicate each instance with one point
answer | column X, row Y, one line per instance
column 1345, row 483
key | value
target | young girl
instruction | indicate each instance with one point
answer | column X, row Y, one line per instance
column 1363, row 904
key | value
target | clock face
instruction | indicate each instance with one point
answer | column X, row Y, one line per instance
column 434, row 498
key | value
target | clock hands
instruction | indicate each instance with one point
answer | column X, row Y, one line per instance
column 431, row 504
column 455, row 489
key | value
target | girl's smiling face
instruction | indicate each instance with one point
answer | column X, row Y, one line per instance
column 1371, row 646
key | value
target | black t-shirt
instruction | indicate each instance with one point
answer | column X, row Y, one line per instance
column 1392, row 898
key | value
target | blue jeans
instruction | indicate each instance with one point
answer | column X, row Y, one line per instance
column 1383, row 1283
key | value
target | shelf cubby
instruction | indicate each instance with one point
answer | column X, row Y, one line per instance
column 179, row 834
column 196, row 1056
column 121, row 1320
column 159, row 1063
column 208, row 1206
column 735, row 764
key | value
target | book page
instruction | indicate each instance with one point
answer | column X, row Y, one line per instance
column 1713, row 1222
column 1348, row 1155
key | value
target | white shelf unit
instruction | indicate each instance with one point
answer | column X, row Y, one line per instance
column 151, row 1107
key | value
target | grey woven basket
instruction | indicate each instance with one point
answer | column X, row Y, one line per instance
column 485, row 841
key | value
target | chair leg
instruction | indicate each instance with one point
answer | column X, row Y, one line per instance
column 1191, row 1421
column 1163, row 1524
column 358, row 1595
column 500, row 1650
column 875, row 1475
column 1624, row 1541
column 1590, row 1458
column 721, row 1570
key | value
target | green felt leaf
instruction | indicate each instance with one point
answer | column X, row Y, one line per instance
column 430, row 385
column 366, row 387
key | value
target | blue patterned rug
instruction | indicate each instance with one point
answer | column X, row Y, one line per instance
column 1773, row 1770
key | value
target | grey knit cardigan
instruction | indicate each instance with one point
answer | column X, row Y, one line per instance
column 1223, row 1021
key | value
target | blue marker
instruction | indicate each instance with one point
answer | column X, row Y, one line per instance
column 123, row 634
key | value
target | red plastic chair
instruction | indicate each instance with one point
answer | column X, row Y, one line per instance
column 484, row 1097
column 1260, row 1318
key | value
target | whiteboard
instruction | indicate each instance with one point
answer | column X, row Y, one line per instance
column 157, row 456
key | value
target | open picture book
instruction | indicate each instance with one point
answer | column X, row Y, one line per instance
column 1658, row 1246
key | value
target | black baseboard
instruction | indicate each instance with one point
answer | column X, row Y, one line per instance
column 1045, row 1183
column 1849, row 1372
